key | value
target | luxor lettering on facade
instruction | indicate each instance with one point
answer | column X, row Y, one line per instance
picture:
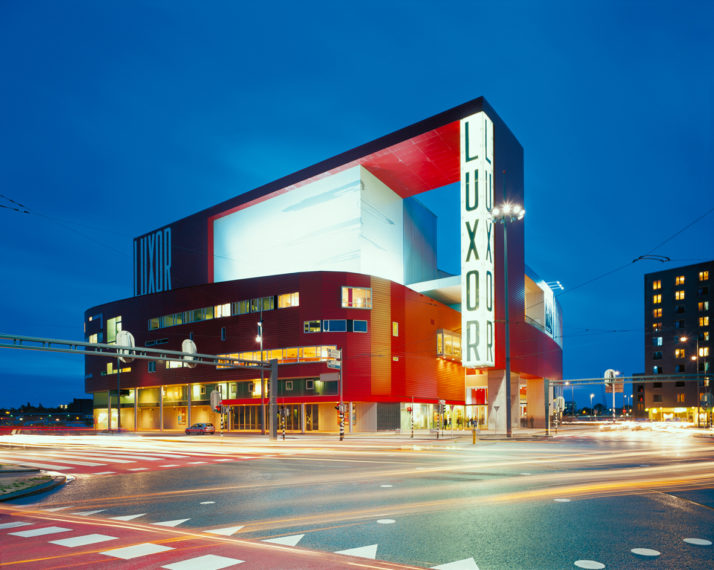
column 152, row 262
column 477, row 242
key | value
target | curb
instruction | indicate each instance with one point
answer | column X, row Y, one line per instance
column 46, row 486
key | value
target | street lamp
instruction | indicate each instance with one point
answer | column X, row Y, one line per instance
column 591, row 405
column 259, row 338
column 503, row 214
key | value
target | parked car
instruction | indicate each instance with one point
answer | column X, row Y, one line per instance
column 200, row 428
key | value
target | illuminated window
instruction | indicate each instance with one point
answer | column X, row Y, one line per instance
column 704, row 336
column 679, row 295
column 679, row 353
column 173, row 364
column 267, row 303
column 223, row 310
column 657, row 341
column 287, row 300
column 97, row 337
column 657, row 313
column 448, row 344
column 703, row 351
column 656, row 299
column 313, row 326
column 113, row 327
column 657, row 355
column 657, row 326
column 395, row 328
column 656, row 284
column 703, row 305
column 679, row 280
column 336, row 325
column 704, row 321
column 680, row 398
column 356, row 297
column 656, row 370
column 703, row 276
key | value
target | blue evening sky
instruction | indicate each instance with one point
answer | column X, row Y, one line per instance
column 119, row 116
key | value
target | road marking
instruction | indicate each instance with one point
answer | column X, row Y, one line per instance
column 88, row 513
column 128, row 517
column 172, row 465
column 194, row 462
column 562, row 500
column 698, row 541
column 465, row 564
column 14, row 524
column 589, row 564
column 386, row 521
column 40, row 531
column 525, row 473
column 58, row 459
column 285, row 540
column 171, row 523
column 362, row 551
column 104, row 473
column 83, row 540
column 228, row 531
column 138, row 469
column 224, row 460
column 645, row 552
column 137, row 550
column 207, row 562
column 52, row 466
column 208, row 502
column 386, row 486
column 55, row 509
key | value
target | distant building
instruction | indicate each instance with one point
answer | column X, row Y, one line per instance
column 342, row 255
column 676, row 344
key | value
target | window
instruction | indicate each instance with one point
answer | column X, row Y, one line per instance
column 657, row 398
column 680, row 397
column 154, row 323
column 656, row 284
column 703, row 306
column 679, row 295
column 657, row 355
column 173, row 364
column 288, row 383
column 679, row 368
column 656, row 341
column 267, row 303
column 703, row 291
column 448, row 344
column 223, row 333
column 704, row 336
column 656, row 370
column 287, row 300
column 678, row 324
column 703, row 351
column 657, row 313
column 704, row 321
column 97, row 337
column 679, row 383
column 309, row 384
column 356, row 298
column 657, row 385
column 152, row 366
column 657, row 327
column 313, row 326
column 222, row 310
column 113, row 327
column 703, row 276
column 656, row 299
column 679, row 353
column 679, row 309
column 337, row 325
column 359, row 326
column 679, row 280
column 395, row 328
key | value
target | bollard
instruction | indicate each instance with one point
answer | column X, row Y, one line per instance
column 473, row 436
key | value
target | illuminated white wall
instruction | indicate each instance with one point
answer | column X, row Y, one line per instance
column 349, row 221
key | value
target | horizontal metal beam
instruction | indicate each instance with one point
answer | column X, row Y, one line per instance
column 117, row 351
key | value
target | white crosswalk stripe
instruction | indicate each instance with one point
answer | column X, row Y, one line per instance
column 207, row 562
column 136, row 551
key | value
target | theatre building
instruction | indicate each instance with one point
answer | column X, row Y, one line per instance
column 342, row 255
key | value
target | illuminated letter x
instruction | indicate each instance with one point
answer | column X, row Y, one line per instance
column 472, row 240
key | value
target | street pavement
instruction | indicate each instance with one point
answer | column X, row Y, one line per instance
column 583, row 499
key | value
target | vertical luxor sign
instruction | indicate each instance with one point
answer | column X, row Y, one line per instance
column 152, row 263
column 477, row 242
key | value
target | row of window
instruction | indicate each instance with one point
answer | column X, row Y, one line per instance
column 448, row 344
column 335, row 325
column 680, row 279
column 246, row 306
column 681, row 353
column 679, row 296
column 678, row 324
column 703, row 367
column 284, row 355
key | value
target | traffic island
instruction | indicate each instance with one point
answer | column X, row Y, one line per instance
column 17, row 482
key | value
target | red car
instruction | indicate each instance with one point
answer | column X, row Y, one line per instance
column 200, row 428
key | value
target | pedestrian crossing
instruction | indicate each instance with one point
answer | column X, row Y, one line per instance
column 105, row 461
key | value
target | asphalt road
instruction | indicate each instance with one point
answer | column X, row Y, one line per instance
column 581, row 499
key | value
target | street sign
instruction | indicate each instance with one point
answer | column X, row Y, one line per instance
column 336, row 364
column 334, row 353
column 190, row 347
column 125, row 338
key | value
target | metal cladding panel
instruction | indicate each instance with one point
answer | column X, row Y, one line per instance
column 381, row 327
column 398, row 346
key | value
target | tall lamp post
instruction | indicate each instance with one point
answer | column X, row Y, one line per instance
column 695, row 358
column 591, row 405
column 504, row 214
column 259, row 338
